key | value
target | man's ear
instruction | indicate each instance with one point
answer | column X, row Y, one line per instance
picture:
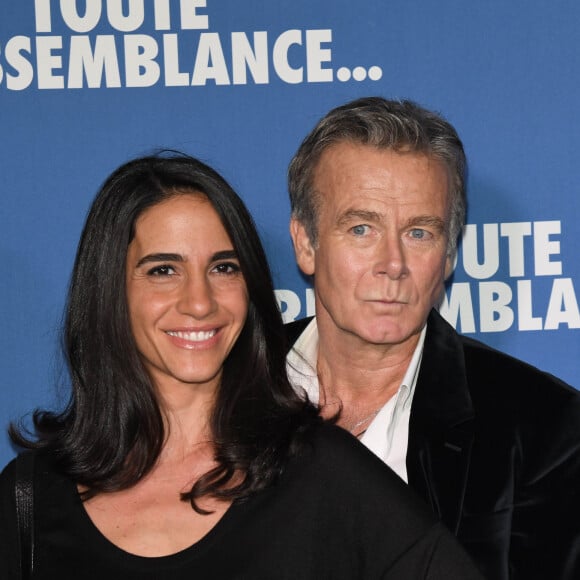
column 305, row 254
column 449, row 265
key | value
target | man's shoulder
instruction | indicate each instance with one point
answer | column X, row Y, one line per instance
column 294, row 329
column 484, row 363
column 499, row 378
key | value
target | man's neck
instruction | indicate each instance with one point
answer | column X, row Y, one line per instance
column 357, row 372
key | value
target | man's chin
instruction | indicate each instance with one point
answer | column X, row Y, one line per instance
column 386, row 335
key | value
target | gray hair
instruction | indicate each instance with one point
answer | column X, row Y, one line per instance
column 398, row 125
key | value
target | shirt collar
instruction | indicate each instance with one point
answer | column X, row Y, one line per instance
column 301, row 365
column 301, row 362
column 410, row 379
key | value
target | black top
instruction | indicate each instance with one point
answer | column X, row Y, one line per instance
column 336, row 513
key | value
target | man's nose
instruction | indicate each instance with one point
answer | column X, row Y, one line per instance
column 390, row 259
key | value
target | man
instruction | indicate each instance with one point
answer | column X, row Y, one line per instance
column 493, row 445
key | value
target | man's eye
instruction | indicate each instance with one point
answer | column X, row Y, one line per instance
column 161, row 271
column 418, row 234
column 227, row 268
column 360, row 230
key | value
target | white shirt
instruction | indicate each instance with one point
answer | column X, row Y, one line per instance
column 388, row 434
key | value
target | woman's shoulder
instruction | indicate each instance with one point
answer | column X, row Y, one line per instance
column 19, row 464
column 7, row 490
column 345, row 487
column 49, row 487
column 340, row 458
column 20, row 469
column 339, row 449
column 37, row 466
column 8, row 473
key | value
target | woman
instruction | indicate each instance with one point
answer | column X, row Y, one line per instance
column 184, row 452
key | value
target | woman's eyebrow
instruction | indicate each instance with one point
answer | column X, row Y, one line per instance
column 225, row 255
column 165, row 257
column 160, row 258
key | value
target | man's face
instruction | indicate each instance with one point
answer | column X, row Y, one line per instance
column 381, row 258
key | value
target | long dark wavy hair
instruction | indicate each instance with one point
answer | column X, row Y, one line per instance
column 111, row 432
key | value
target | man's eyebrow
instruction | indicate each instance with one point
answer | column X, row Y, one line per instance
column 428, row 220
column 358, row 214
column 372, row 216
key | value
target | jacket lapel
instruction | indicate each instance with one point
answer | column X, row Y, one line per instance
column 441, row 424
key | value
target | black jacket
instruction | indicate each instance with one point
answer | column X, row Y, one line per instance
column 494, row 448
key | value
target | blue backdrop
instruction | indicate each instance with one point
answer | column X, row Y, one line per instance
column 86, row 85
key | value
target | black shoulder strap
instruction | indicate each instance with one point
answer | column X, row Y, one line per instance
column 24, row 512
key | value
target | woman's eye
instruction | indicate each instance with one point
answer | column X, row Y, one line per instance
column 227, row 268
column 360, row 230
column 161, row 271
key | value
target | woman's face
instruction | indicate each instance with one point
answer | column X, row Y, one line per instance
column 186, row 295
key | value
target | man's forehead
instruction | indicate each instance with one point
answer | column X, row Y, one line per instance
column 363, row 177
column 347, row 154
